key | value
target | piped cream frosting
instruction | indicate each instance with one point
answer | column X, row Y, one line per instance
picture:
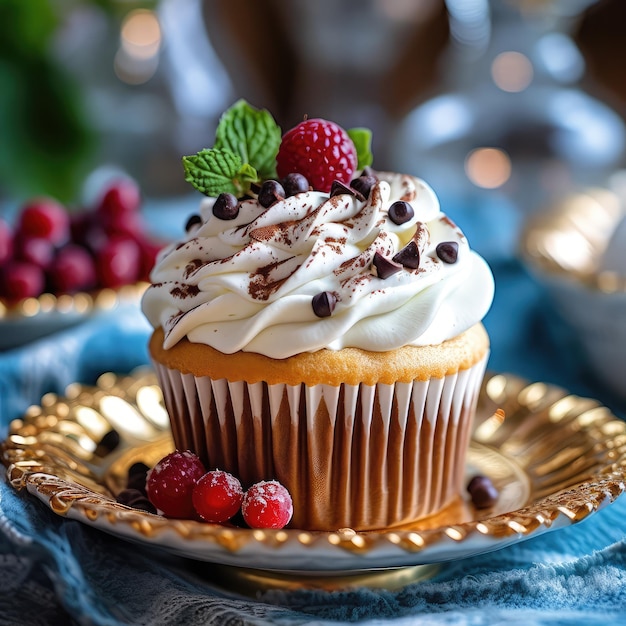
column 247, row 284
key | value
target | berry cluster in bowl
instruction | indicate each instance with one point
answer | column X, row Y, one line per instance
column 49, row 249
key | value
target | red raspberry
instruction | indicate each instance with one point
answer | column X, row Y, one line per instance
column 121, row 196
column 170, row 483
column 217, row 496
column 35, row 250
column 73, row 269
column 267, row 505
column 6, row 242
column 21, row 280
column 45, row 218
column 118, row 262
column 319, row 150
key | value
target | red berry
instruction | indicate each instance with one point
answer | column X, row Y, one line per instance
column 35, row 250
column 118, row 262
column 319, row 150
column 170, row 483
column 149, row 250
column 73, row 269
column 121, row 196
column 21, row 280
column 6, row 242
column 217, row 496
column 45, row 218
column 267, row 505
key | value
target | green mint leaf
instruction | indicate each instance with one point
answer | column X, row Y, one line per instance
column 252, row 134
column 362, row 140
column 213, row 171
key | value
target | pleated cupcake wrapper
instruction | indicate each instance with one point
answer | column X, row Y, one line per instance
column 352, row 456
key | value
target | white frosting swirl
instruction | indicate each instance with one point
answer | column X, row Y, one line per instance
column 248, row 283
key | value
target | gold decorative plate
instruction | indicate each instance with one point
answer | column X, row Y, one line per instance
column 556, row 459
column 33, row 318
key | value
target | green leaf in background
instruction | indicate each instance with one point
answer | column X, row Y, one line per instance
column 253, row 135
column 214, row 171
column 362, row 140
column 45, row 137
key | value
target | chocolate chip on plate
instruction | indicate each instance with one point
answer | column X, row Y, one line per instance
column 482, row 491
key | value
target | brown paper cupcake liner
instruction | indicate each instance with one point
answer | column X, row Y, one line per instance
column 352, row 456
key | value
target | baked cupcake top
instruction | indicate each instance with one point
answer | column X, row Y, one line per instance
column 338, row 256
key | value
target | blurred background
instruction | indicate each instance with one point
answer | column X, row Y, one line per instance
column 479, row 94
column 505, row 107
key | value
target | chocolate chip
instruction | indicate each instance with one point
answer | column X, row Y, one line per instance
column 194, row 220
column 385, row 267
column 324, row 303
column 135, row 499
column 409, row 256
column 448, row 251
column 363, row 184
column 271, row 191
column 401, row 212
column 339, row 188
column 108, row 443
column 482, row 492
column 226, row 207
column 137, row 474
column 295, row 183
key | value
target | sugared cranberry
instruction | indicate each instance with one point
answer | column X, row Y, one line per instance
column 226, row 207
column 170, row 483
column 72, row 270
column 271, row 191
column 295, row 183
column 21, row 280
column 217, row 496
column 401, row 212
column 44, row 218
column 6, row 242
column 118, row 262
column 267, row 504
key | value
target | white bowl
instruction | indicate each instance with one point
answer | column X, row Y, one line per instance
column 577, row 250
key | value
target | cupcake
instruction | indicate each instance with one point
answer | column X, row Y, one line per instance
column 320, row 324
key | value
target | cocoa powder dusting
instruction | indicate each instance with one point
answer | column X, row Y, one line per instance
column 184, row 291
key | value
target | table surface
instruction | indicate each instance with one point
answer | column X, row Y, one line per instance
column 59, row 571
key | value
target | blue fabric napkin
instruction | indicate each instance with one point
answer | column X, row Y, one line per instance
column 59, row 571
